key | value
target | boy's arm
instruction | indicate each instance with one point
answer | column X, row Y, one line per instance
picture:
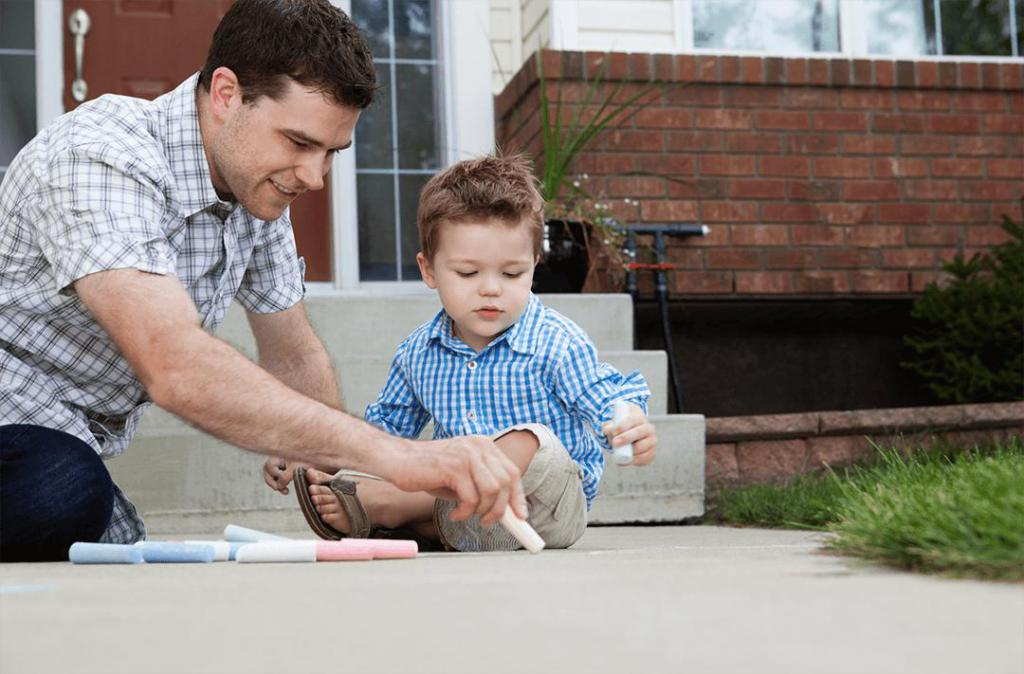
column 397, row 410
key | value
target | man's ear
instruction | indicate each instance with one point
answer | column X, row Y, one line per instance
column 426, row 271
column 225, row 93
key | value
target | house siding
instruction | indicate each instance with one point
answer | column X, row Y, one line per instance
column 638, row 26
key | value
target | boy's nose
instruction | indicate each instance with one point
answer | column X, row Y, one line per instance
column 490, row 288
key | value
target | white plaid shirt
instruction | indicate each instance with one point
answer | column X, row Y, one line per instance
column 118, row 183
column 543, row 369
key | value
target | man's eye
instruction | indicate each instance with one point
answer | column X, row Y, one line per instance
column 466, row 274
column 298, row 143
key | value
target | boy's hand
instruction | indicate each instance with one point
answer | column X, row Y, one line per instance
column 637, row 429
column 277, row 473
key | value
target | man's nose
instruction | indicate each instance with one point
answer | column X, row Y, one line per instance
column 310, row 172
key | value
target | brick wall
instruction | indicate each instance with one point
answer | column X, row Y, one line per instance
column 818, row 177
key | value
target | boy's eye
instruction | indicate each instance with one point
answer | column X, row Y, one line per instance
column 514, row 274
column 466, row 274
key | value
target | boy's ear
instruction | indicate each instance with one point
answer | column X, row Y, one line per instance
column 426, row 271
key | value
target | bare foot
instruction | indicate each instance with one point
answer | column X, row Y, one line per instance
column 386, row 505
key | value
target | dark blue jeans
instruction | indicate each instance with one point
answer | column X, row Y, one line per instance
column 54, row 490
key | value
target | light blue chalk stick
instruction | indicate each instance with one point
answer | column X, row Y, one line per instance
column 104, row 553
column 235, row 533
column 235, row 547
column 173, row 553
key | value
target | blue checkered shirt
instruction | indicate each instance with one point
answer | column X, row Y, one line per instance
column 543, row 369
column 118, row 183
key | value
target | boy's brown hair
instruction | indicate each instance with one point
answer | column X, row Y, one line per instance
column 486, row 188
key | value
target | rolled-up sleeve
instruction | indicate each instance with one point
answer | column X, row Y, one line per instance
column 275, row 277
column 397, row 410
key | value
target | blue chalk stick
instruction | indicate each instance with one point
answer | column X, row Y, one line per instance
column 104, row 553
column 171, row 553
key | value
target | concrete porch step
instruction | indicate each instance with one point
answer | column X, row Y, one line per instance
column 186, row 481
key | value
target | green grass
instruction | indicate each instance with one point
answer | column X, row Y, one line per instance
column 946, row 509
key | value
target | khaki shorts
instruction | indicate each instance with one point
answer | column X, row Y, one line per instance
column 553, row 484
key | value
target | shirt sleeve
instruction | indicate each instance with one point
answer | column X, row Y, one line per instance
column 397, row 410
column 275, row 277
column 589, row 388
column 101, row 210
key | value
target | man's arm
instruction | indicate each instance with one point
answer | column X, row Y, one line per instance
column 207, row 382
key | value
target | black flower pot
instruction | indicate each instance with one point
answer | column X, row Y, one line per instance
column 563, row 269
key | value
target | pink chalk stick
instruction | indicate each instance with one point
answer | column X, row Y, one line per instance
column 345, row 550
column 393, row 549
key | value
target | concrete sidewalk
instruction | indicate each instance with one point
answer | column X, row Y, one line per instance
column 625, row 599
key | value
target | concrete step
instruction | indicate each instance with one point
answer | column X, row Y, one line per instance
column 185, row 481
column 373, row 325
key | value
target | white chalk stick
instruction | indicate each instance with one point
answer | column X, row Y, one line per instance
column 277, row 551
column 623, row 455
column 221, row 549
column 523, row 532
column 235, row 533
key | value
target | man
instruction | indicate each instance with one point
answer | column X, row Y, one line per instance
column 127, row 227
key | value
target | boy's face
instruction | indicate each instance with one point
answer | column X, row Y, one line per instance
column 483, row 273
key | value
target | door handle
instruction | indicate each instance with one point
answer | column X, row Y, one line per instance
column 79, row 23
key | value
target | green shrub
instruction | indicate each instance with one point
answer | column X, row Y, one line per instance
column 968, row 336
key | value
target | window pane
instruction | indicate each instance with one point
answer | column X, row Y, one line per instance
column 17, row 24
column 376, row 195
column 372, row 18
column 17, row 104
column 900, row 27
column 414, row 22
column 756, row 25
column 409, row 186
column 373, row 133
column 976, row 27
column 417, row 119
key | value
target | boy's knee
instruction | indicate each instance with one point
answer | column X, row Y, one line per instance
column 520, row 446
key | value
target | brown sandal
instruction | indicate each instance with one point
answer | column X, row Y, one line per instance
column 345, row 489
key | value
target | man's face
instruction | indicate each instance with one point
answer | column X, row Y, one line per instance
column 483, row 273
column 268, row 152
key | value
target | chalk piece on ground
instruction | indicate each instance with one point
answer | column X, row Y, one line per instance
column 277, row 551
column 233, row 532
column 522, row 531
column 235, row 547
column 345, row 550
column 104, row 553
column 175, row 553
column 393, row 549
column 221, row 549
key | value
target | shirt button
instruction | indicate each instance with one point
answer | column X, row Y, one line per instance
column 471, row 365
column 472, row 416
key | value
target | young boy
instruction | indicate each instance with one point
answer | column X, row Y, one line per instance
column 494, row 361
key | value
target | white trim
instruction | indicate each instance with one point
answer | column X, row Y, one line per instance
column 853, row 38
column 564, row 18
column 344, row 213
column 682, row 15
column 49, row 20
column 468, row 102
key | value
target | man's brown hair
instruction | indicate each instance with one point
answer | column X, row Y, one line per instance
column 264, row 42
column 486, row 188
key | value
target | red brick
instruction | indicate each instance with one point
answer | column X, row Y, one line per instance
column 811, row 98
column 723, row 119
column 796, row 71
column 876, row 281
column 702, row 282
column 927, row 73
column 758, row 189
column 814, row 190
column 784, row 166
column 842, row 167
column 846, row 214
column 990, row 146
column 958, row 167
column 686, row 68
column 781, row 119
column 752, row 70
column 707, row 68
column 760, row 235
column 905, row 258
column 1013, row 124
column 822, row 282
column 817, row 71
column 789, row 258
column 753, row 142
column 875, row 235
column 756, row 97
column 732, row 258
column 685, row 258
column 694, row 96
column 953, row 124
column 635, row 186
column 1006, row 168
column 606, row 162
column 924, row 100
column 840, row 121
column 992, row 190
column 970, row 75
column 668, row 165
column 727, row 165
column 930, row 190
column 637, row 141
column 979, row 101
column 764, row 282
column 672, row 118
column 926, row 145
column 871, row 190
column 986, row 235
column 920, row 280
column 850, row 258
column 901, row 168
column 814, row 144
column 932, row 235
column 858, row 144
column 668, row 211
column 816, row 235
column 836, row 450
column 885, row 73
column 1012, row 74
column 903, row 213
column 729, row 69
column 885, row 122
column 789, row 213
column 720, row 466
column 857, row 99
column 664, row 66
column 639, row 67
column 990, row 75
column 701, row 188
column 701, row 141
column 728, row 211
column 961, row 213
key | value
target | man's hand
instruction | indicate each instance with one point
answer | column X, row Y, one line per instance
column 469, row 468
column 277, row 473
column 637, row 429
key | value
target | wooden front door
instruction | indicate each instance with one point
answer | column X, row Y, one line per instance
column 145, row 48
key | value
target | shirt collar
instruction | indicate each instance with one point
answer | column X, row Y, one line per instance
column 521, row 336
column 185, row 153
